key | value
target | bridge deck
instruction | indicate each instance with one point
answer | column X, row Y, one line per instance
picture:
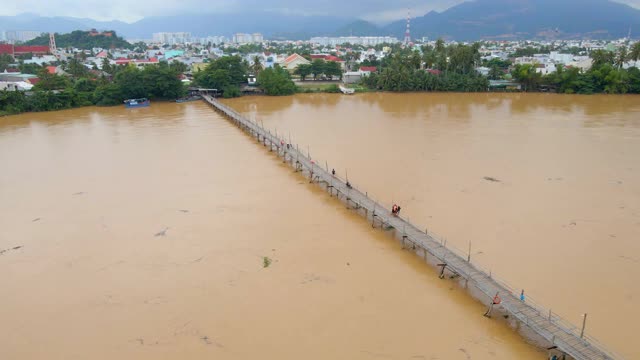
column 549, row 326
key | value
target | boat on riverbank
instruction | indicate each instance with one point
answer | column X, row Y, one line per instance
column 136, row 103
column 346, row 90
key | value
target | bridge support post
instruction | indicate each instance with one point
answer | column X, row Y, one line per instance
column 443, row 265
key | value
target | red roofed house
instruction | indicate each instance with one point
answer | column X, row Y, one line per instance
column 35, row 50
column 22, row 50
column 292, row 62
column 51, row 69
column 327, row 57
column 368, row 69
column 6, row 49
column 122, row 61
column 434, row 71
column 102, row 54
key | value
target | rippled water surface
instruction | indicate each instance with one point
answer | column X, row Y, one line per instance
column 562, row 220
column 141, row 234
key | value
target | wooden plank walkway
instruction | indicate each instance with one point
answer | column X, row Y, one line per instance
column 555, row 331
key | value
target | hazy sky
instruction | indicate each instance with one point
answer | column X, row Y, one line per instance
column 129, row 11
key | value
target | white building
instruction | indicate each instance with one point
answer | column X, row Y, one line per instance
column 20, row 36
column 214, row 40
column 172, row 38
column 241, row 38
column 41, row 60
column 356, row 40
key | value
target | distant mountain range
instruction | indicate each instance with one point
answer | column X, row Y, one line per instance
column 527, row 19
column 272, row 25
column 472, row 20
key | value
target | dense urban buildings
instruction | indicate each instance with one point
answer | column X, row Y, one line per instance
column 355, row 40
column 18, row 36
column 172, row 38
column 241, row 38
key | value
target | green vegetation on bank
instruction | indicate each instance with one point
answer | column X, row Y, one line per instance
column 229, row 73
column 451, row 68
column 226, row 73
column 606, row 75
column 85, row 40
column 319, row 67
column 276, row 81
column 57, row 92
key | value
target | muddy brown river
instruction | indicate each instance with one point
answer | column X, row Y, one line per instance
column 142, row 233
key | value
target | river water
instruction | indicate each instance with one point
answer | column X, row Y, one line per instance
column 142, row 233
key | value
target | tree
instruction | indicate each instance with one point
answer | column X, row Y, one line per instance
column 84, row 85
column 303, row 70
column 634, row 54
column 495, row 73
column 317, row 68
column 527, row 76
column 178, row 67
column 5, row 60
column 108, row 94
column 333, row 68
column 276, row 81
column 129, row 80
column 602, row 57
column 256, row 67
column 76, row 68
column 621, row 57
column 162, row 82
column 225, row 71
column 106, row 66
column 29, row 68
column 50, row 81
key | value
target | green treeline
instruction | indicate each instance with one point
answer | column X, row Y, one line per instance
column 56, row 92
column 276, row 81
column 84, row 40
column 228, row 73
column 319, row 67
column 452, row 68
column 606, row 75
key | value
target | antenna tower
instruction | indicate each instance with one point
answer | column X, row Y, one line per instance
column 407, row 33
column 52, row 43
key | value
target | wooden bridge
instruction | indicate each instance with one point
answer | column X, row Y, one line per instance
column 539, row 325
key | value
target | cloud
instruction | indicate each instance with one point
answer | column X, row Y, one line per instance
column 126, row 10
column 632, row 3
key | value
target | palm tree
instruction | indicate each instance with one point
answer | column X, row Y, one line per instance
column 621, row 57
column 256, row 67
column 634, row 54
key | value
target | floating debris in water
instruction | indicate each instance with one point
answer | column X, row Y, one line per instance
column 79, row 193
column 184, row 211
column 162, row 233
column 266, row 261
column 36, row 219
column 489, row 178
column 9, row 249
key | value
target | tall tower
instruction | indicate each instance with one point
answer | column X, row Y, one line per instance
column 407, row 33
column 52, row 44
